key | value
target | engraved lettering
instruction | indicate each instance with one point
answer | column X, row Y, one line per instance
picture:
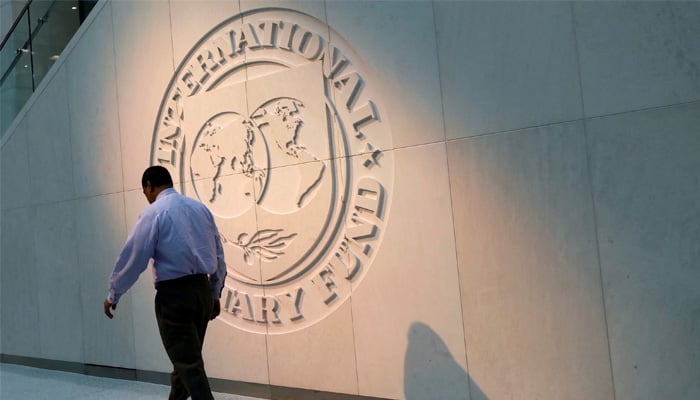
column 347, row 259
column 171, row 136
column 363, row 228
column 240, row 305
column 326, row 285
column 349, row 86
column 236, row 45
column 335, row 63
column 166, row 156
column 284, row 32
column 267, row 306
column 249, row 37
column 167, row 147
column 207, row 63
column 372, row 157
column 229, row 296
column 170, row 119
column 191, row 84
column 268, row 28
column 308, row 43
column 370, row 196
column 224, row 46
column 292, row 303
column 363, row 115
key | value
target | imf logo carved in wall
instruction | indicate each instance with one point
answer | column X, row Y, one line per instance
column 272, row 121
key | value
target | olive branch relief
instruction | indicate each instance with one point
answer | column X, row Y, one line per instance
column 268, row 243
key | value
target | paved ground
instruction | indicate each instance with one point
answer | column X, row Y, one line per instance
column 18, row 382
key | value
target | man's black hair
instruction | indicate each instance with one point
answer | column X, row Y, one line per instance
column 157, row 175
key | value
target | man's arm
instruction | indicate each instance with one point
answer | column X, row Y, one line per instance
column 217, row 278
column 132, row 261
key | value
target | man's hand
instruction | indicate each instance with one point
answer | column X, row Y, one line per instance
column 109, row 305
column 215, row 309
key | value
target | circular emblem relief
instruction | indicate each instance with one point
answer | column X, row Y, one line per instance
column 273, row 122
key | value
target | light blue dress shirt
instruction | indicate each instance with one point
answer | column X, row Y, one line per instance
column 180, row 235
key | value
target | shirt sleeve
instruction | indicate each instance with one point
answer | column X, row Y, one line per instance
column 134, row 257
column 217, row 278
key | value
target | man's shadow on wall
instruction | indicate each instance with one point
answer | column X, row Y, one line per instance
column 430, row 371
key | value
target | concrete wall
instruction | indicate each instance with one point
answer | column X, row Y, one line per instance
column 540, row 228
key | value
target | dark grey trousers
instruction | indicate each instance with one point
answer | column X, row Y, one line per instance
column 183, row 308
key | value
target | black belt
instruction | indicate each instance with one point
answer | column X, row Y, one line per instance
column 182, row 281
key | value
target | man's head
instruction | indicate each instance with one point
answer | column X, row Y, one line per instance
column 154, row 180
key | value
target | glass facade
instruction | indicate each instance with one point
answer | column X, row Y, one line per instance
column 32, row 45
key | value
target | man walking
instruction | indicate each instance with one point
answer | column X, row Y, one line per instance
column 180, row 235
